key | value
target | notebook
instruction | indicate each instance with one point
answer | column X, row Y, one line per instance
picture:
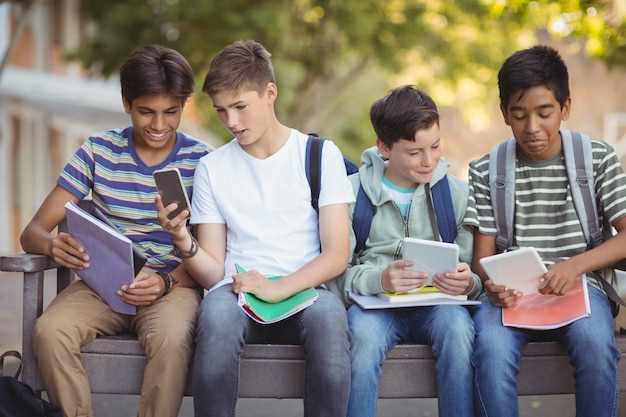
column 265, row 313
column 139, row 258
column 521, row 269
column 429, row 293
column 542, row 312
column 368, row 302
column 111, row 257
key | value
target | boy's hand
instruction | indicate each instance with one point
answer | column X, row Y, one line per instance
column 256, row 283
column 176, row 227
column 500, row 295
column 396, row 278
column 558, row 280
column 146, row 288
column 68, row 252
column 455, row 283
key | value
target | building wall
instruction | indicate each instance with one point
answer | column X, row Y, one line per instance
column 47, row 109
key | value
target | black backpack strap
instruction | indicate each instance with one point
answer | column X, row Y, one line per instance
column 14, row 354
column 313, row 167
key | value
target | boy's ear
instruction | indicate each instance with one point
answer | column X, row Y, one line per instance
column 127, row 105
column 565, row 109
column 505, row 114
column 271, row 91
column 383, row 148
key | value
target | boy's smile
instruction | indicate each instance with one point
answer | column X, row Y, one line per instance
column 155, row 120
column 412, row 163
column 535, row 118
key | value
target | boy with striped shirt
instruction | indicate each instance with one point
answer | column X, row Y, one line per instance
column 115, row 167
column 534, row 99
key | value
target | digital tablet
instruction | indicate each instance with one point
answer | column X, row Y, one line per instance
column 430, row 256
column 519, row 269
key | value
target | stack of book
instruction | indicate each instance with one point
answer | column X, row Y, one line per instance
column 264, row 312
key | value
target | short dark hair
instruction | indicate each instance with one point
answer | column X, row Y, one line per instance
column 240, row 65
column 537, row 66
column 402, row 113
column 155, row 70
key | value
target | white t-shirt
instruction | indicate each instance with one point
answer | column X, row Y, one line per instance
column 266, row 204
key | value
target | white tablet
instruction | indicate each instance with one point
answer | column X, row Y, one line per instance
column 431, row 256
column 519, row 269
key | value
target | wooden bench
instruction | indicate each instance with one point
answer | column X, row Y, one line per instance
column 115, row 364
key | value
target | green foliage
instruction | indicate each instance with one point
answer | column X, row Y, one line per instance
column 334, row 57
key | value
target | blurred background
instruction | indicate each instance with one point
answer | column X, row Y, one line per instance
column 332, row 58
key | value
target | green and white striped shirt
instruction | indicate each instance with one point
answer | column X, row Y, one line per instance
column 545, row 217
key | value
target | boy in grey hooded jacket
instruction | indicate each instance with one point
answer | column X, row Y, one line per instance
column 395, row 175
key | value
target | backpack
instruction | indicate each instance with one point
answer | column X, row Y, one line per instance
column 17, row 399
column 439, row 197
column 579, row 165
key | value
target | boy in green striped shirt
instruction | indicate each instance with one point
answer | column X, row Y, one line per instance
column 535, row 98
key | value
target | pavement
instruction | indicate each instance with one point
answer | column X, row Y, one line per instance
column 126, row 405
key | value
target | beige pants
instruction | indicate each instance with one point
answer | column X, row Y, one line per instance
column 77, row 315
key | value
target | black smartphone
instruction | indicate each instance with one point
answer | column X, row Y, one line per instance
column 170, row 185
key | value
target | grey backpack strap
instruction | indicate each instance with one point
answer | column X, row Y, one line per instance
column 579, row 163
column 502, row 187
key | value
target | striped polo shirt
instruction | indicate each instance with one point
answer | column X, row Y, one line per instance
column 121, row 186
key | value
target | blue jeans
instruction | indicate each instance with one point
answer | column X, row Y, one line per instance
column 590, row 342
column 449, row 329
column 224, row 329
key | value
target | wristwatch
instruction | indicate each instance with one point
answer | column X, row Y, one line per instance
column 169, row 280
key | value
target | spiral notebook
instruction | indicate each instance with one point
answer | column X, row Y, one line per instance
column 266, row 313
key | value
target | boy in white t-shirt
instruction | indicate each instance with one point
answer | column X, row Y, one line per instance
column 252, row 206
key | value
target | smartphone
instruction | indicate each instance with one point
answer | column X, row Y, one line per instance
column 170, row 185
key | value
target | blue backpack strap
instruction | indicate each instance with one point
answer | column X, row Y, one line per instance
column 443, row 207
column 502, row 189
column 351, row 167
column 362, row 219
column 313, row 168
column 444, row 210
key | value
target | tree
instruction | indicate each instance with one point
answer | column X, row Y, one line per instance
column 334, row 57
